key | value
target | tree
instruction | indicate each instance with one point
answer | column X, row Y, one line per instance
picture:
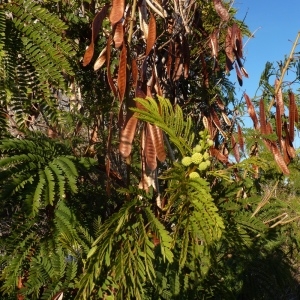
column 111, row 191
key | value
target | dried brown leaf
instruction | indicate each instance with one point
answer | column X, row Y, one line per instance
column 292, row 109
column 151, row 34
column 251, row 111
column 220, row 103
column 221, row 10
column 117, row 11
column 122, row 80
column 119, row 35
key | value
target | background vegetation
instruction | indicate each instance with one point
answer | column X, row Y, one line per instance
column 126, row 171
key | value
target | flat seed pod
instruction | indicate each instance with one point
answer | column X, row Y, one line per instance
column 279, row 159
column 151, row 34
column 117, row 11
column 221, row 10
column 292, row 109
column 262, row 116
column 157, row 138
column 251, row 111
column 118, row 35
column 279, row 97
column 149, row 151
column 122, row 80
column 101, row 59
column 235, row 149
column 96, row 26
column 240, row 137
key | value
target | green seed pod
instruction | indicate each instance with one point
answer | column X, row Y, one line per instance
column 202, row 166
column 206, row 156
column 186, row 161
column 197, row 158
column 194, row 175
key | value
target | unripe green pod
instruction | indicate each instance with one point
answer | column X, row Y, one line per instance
column 194, row 175
column 186, row 161
column 197, row 158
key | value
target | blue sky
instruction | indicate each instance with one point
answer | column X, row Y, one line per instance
column 278, row 23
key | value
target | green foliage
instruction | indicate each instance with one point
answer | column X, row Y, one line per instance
column 73, row 216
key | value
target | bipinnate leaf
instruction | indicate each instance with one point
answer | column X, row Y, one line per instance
column 96, row 26
column 122, row 80
column 292, row 109
column 251, row 111
column 117, row 11
column 221, row 10
column 262, row 116
column 151, row 34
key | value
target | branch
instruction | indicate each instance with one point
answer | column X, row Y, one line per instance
column 291, row 56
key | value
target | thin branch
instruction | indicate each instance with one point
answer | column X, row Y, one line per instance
column 290, row 58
